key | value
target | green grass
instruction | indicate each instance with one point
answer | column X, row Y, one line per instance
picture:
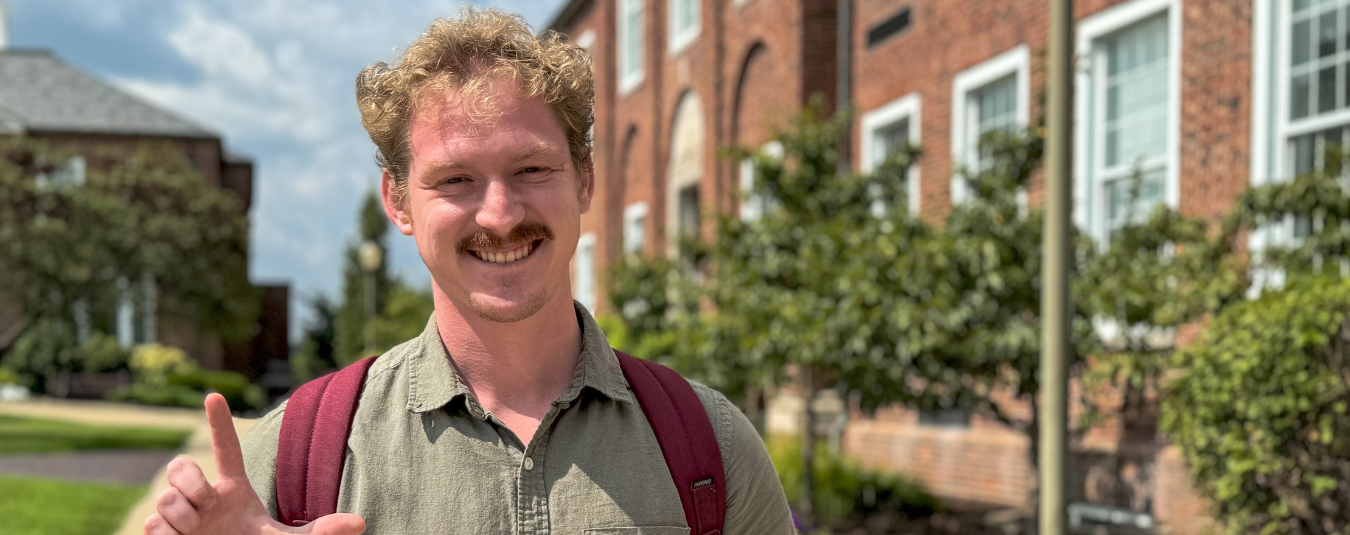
column 31, row 435
column 32, row 506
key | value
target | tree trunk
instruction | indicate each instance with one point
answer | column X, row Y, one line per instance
column 1034, row 433
column 808, row 448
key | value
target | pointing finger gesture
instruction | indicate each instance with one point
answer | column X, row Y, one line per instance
column 193, row 506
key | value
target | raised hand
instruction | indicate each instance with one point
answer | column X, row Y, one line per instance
column 193, row 506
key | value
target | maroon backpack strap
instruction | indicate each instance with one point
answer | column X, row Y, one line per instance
column 313, row 444
column 687, row 440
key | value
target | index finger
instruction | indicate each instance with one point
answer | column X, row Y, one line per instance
column 224, row 440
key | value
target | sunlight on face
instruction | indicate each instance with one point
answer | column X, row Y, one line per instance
column 495, row 207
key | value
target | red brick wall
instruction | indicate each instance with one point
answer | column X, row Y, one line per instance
column 633, row 129
column 755, row 62
column 986, row 464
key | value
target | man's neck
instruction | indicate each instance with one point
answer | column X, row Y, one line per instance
column 515, row 370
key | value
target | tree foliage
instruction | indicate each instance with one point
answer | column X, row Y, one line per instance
column 338, row 334
column 146, row 215
column 1258, row 403
column 838, row 276
column 1258, row 406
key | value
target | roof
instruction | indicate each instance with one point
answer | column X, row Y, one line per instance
column 40, row 93
column 568, row 14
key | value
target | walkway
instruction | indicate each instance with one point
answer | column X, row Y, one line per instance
column 197, row 448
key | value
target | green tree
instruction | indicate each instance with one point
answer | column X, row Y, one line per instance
column 350, row 322
column 400, row 312
column 315, row 353
column 1258, row 406
column 72, row 252
column 1258, row 403
column 838, row 280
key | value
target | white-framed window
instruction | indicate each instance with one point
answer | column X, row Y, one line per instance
column 1300, row 95
column 631, row 36
column 684, row 24
column 888, row 129
column 753, row 205
column 135, row 317
column 1127, row 110
column 989, row 97
column 635, row 227
column 69, row 174
column 583, row 271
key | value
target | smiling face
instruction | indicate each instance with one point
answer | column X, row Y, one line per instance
column 495, row 207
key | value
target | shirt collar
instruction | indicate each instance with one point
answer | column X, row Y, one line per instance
column 434, row 383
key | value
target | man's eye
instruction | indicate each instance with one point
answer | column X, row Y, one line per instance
column 452, row 180
column 534, row 169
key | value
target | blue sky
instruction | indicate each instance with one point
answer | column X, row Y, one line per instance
column 275, row 78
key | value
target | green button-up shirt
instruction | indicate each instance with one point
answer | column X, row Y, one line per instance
column 425, row 457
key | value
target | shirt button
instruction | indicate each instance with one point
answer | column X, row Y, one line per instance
column 529, row 463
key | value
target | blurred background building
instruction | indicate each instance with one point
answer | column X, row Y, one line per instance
column 44, row 98
column 1201, row 99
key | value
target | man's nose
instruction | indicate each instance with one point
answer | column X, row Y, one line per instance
column 501, row 210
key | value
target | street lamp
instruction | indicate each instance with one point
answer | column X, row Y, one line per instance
column 369, row 256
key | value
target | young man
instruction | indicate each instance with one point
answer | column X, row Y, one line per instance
column 510, row 413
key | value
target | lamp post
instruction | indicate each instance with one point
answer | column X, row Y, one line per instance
column 369, row 256
column 1055, row 270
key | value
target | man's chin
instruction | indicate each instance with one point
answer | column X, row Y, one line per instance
column 499, row 310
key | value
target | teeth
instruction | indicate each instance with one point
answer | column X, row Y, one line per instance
column 507, row 257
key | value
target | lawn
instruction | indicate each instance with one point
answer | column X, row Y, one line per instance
column 32, row 506
column 19, row 434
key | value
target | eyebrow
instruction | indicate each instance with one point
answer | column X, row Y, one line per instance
column 535, row 150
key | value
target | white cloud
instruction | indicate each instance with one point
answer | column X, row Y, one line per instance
column 276, row 79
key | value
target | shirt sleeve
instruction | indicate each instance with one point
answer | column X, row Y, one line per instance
column 755, row 501
column 260, row 457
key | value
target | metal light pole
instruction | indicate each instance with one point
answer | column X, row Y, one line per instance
column 369, row 256
column 1055, row 301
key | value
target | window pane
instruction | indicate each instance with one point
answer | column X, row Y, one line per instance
column 1298, row 42
column 994, row 109
column 631, row 37
column 689, row 216
column 1300, row 5
column 1120, row 193
column 1136, row 93
column 1326, row 90
column 1326, row 34
column 889, row 140
column 585, row 274
column 1298, row 97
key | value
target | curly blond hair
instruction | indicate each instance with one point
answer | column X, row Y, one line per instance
column 468, row 54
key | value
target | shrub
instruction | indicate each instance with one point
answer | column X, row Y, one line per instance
column 153, row 363
column 1258, row 406
column 160, row 395
column 49, row 347
column 238, row 392
column 843, row 489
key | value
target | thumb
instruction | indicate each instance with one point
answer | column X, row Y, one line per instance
column 335, row 524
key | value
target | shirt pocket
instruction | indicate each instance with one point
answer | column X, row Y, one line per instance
column 643, row 530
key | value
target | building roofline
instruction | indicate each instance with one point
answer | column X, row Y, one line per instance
column 568, row 14
column 26, row 51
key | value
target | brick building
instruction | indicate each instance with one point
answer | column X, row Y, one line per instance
column 44, row 98
column 1201, row 98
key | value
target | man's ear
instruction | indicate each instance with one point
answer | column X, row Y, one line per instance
column 395, row 204
column 587, row 190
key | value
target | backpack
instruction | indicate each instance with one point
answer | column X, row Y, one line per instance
column 312, row 447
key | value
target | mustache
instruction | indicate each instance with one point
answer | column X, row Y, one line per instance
column 486, row 240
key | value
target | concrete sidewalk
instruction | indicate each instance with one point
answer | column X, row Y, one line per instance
column 197, row 447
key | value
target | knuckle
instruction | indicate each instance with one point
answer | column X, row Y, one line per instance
column 181, row 466
column 153, row 524
column 166, row 500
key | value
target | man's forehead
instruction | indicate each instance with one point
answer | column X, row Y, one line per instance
column 446, row 130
